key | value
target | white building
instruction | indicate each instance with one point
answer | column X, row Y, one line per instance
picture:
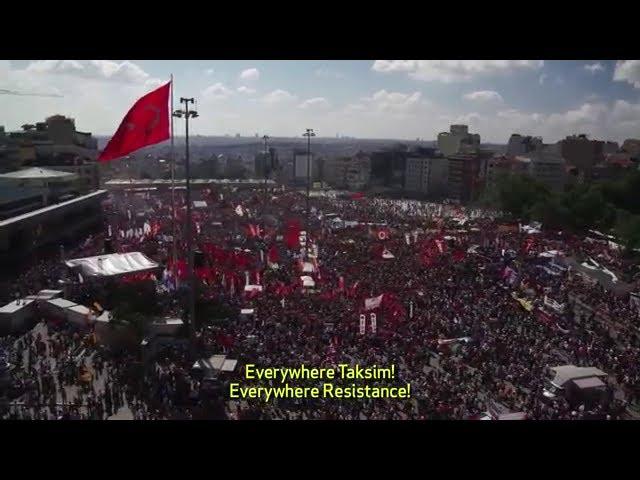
column 427, row 174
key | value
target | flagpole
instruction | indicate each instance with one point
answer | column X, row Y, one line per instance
column 173, row 189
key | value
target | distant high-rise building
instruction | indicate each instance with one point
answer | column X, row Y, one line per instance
column 352, row 173
column 458, row 140
column 545, row 164
column 300, row 161
column 521, row 145
column 467, row 175
column 582, row 154
column 427, row 173
column 388, row 167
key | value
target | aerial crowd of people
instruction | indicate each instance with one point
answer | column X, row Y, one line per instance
column 472, row 310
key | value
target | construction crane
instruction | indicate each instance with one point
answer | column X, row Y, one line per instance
column 4, row 91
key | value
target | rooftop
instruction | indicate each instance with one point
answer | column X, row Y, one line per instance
column 50, row 208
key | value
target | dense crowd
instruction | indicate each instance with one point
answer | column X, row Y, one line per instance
column 449, row 319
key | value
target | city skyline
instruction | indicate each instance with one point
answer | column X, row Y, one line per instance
column 364, row 99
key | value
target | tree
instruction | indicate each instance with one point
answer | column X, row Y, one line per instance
column 628, row 229
column 517, row 194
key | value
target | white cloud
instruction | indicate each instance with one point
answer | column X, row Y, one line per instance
column 628, row 71
column 448, row 71
column 209, row 72
column 217, row 91
column 394, row 102
column 278, row 96
column 127, row 72
column 542, row 78
column 249, row 75
column 246, row 90
column 317, row 102
column 594, row 68
column 484, row 96
column 471, row 119
column 327, row 73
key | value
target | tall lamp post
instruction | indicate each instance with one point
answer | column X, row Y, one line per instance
column 309, row 133
column 187, row 113
column 265, row 170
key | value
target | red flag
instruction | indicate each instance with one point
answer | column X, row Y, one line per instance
column 272, row 254
column 253, row 230
column 146, row 123
column 458, row 255
column 292, row 234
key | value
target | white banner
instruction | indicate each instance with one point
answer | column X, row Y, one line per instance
column 374, row 323
column 374, row 302
column 551, row 303
column 363, row 323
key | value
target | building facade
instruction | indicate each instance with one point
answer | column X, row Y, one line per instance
column 55, row 144
column 388, row 167
column 50, row 225
column 521, row 145
column 467, row 175
column 549, row 167
column 353, row 173
column 582, row 154
column 427, row 174
column 458, row 140
column 504, row 166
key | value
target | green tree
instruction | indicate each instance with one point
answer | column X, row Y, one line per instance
column 628, row 229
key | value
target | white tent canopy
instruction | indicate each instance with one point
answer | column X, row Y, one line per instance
column 307, row 281
column 113, row 264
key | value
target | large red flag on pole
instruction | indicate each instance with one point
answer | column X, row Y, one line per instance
column 146, row 123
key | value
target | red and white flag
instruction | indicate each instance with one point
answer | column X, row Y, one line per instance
column 146, row 123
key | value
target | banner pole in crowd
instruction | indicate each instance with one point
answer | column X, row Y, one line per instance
column 173, row 191
column 187, row 113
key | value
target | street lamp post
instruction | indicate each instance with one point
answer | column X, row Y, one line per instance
column 265, row 171
column 309, row 133
column 192, row 298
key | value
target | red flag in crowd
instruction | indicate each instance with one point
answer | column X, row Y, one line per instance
column 357, row 196
column 225, row 340
column 292, row 234
column 146, row 123
column 458, row 255
column 254, row 230
column 272, row 254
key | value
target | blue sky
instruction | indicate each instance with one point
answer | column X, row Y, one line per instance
column 368, row 99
